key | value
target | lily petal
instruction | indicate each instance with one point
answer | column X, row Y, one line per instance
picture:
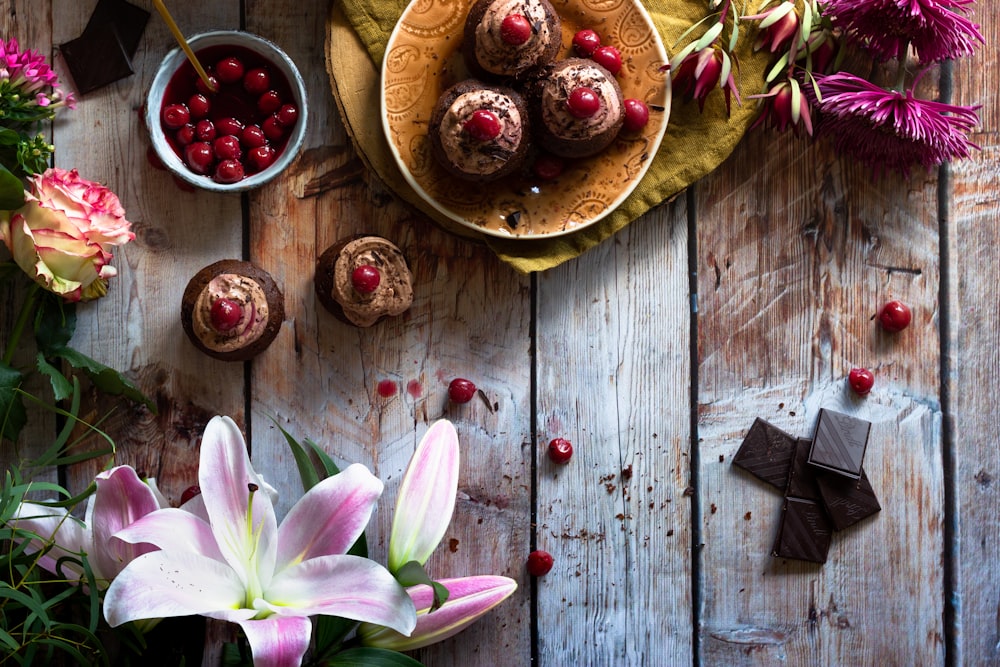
column 426, row 497
column 172, row 530
column 121, row 499
column 279, row 641
column 161, row 585
column 329, row 518
column 470, row 598
column 52, row 525
column 348, row 586
column 226, row 477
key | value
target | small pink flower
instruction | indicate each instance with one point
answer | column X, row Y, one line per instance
column 937, row 29
column 62, row 236
column 888, row 129
column 785, row 106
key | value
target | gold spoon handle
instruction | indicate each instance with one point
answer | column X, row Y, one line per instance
column 161, row 8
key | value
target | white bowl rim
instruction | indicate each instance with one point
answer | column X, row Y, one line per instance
column 154, row 100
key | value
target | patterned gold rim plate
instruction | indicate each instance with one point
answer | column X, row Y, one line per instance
column 423, row 58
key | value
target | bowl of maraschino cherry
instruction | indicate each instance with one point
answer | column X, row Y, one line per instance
column 239, row 129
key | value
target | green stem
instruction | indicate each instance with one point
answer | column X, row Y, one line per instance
column 27, row 308
column 901, row 72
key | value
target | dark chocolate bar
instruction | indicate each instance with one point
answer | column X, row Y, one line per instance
column 801, row 475
column 839, row 443
column 804, row 533
column 96, row 59
column 128, row 19
column 846, row 500
column 766, row 453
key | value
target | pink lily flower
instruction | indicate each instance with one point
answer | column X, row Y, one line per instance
column 120, row 499
column 239, row 565
column 426, row 498
column 469, row 599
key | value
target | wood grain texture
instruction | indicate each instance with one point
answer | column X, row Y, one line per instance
column 613, row 362
column 796, row 252
column 974, row 314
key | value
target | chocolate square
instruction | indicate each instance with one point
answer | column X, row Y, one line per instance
column 766, row 453
column 96, row 59
column 839, row 443
column 847, row 500
column 801, row 475
column 804, row 533
column 129, row 21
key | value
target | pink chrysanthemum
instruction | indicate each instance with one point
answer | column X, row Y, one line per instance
column 887, row 129
column 937, row 29
column 29, row 89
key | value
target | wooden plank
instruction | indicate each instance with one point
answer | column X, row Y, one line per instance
column 974, row 256
column 470, row 318
column 796, row 253
column 613, row 358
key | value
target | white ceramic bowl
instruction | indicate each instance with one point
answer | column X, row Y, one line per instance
column 170, row 64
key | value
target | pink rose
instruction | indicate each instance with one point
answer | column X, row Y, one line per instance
column 63, row 234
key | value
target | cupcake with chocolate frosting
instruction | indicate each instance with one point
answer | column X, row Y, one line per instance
column 363, row 279
column 479, row 132
column 510, row 38
column 232, row 310
column 577, row 108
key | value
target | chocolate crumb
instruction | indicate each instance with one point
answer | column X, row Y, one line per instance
column 715, row 508
column 688, row 492
column 627, row 472
column 746, row 516
column 722, row 458
column 670, row 532
column 453, row 545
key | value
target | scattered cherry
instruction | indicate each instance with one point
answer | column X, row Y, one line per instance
column 540, row 563
column 205, row 90
column 269, row 102
column 548, row 167
column 229, row 171
column 609, row 58
column 229, row 70
column 636, row 115
column 205, row 130
column 226, row 126
column 861, row 381
column 365, row 278
column 287, row 115
column 482, row 125
column 560, row 450
column 256, row 81
column 461, row 390
column 585, row 42
column 252, row 137
column 515, row 29
column 261, row 157
column 583, row 102
column 176, row 116
column 185, row 135
column 894, row 316
column 227, row 148
column 190, row 492
column 199, row 156
column 199, row 105
column 225, row 314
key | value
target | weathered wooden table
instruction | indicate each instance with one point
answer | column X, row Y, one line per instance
column 752, row 295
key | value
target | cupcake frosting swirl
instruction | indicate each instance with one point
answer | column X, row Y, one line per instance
column 556, row 90
column 497, row 56
column 394, row 293
column 245, row 291
column 481, row 157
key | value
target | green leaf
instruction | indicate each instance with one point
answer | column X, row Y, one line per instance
column 106, row 379
column 25, row 600
column 372, row 657
column 55, row 323
column 11, row 190
column 9, row 137
column 61, row 387
column 413, row 573
column 307, row 471
column 9, row 641
column 331, row 632
column 12, row 414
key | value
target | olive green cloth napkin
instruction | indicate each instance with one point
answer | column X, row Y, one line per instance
column 695, row 143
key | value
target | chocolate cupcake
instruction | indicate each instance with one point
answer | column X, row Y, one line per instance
column 363, row 279
column 510, row 38
column 577, row 108
column 232, row 310
column 479, row 132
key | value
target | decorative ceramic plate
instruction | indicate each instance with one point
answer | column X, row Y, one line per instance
column 423, row 58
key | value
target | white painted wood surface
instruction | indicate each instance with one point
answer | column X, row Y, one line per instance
column 794, row 251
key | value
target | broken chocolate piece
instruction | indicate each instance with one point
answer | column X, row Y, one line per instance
column 129, row 21
column 766, row 453
column 802, row 476
column 804, row 533
column 846, row 500
column 96, row 59
column 840, row 442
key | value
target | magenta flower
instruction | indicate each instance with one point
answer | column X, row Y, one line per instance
column 785, row 105
column 888, row 129
column 937, row 29
column 696, row 73
column 25, row 80
column 779, row 28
